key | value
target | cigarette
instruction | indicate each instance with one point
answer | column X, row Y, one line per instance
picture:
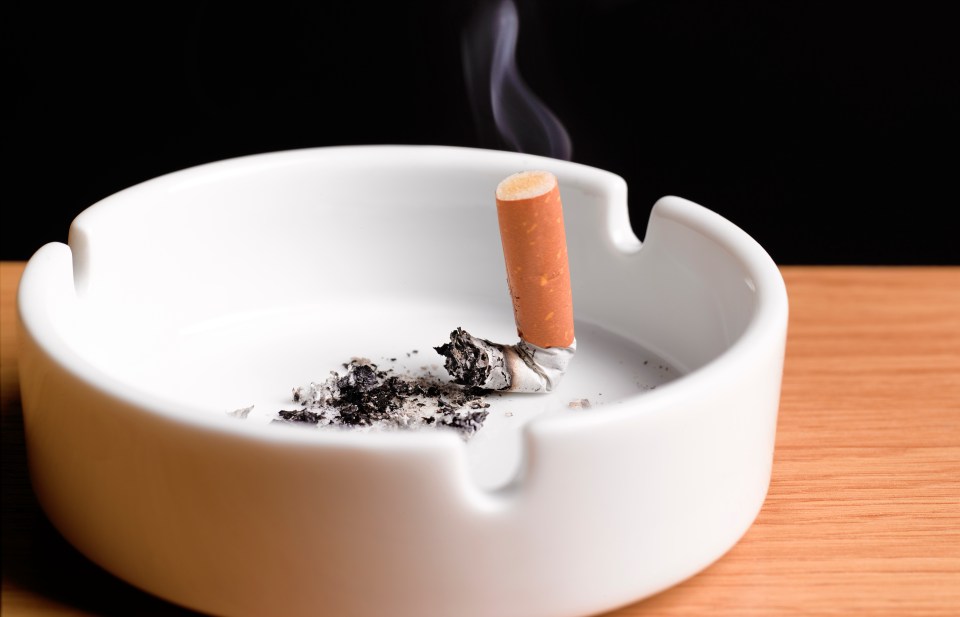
column 530, row 214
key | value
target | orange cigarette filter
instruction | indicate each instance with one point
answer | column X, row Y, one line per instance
column 530, row 213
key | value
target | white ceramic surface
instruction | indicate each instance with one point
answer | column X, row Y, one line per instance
column 227, row 284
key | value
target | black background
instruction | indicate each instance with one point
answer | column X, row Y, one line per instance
column 825, row 130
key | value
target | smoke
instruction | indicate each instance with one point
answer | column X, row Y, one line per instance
column 507, row 113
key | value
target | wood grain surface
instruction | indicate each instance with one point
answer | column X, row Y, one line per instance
column 863, row 513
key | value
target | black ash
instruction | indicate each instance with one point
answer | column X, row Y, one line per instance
column 369, row 398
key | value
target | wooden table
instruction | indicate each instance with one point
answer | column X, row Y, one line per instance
column 863, row 513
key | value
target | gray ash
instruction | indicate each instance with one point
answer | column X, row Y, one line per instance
column 469, row 360
column 369, row 398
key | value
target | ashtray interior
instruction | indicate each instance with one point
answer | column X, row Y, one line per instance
column 256, row 360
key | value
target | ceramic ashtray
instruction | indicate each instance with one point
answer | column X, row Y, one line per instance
column 200, row 368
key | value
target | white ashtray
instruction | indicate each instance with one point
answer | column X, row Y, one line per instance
column 226, row 285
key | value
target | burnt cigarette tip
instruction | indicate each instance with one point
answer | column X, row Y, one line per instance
column 478, row 363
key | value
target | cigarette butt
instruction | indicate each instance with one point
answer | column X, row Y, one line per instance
column 535, row 252
column 530, row 214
